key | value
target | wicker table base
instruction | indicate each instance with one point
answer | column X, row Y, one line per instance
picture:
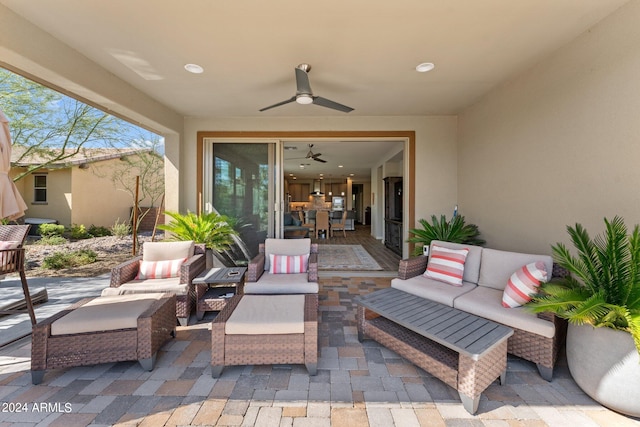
column 230, row 350
column 155, row 327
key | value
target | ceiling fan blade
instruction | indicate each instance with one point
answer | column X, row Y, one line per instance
column 293, row 98
column 302, row 82
column 324, row 102
column 318, row 159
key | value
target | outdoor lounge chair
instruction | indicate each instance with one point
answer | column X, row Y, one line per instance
column 12, row 238
column 262, row 279
column 167, row 267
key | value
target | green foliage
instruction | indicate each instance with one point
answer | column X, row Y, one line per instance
column 60, row 260
column 121, row 229
column 212, row 229
column 79, row 232
column 98, row 231
column 455, row 231
column 51, row 240
column 47, row 230
column 603, row 288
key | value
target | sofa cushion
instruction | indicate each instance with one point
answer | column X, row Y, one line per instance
column 149, row 286
column 433, row 290
column 498, row 266
column 285, row 247
column 446, row 265
column 282, row 284
column 288, row 264
column 523, row 283
column 160, row 251
column 267, row 315
column 487, row 302
column 160, row 269
column 471, row 264
column 105, row 314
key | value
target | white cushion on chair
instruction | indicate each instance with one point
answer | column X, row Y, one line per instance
column 282, row 284
column 267, row 315
column 160, row 251
column 285, row 247
column 105, row 314
column 149, row 286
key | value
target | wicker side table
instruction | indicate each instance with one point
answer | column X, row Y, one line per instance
column 214, row 288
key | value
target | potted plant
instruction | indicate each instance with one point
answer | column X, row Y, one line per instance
column 455, row 231
column 600, row 298
column 213, row 230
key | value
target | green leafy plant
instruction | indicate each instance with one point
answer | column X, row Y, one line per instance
column 455, row 231
column 121, row 229
column 98, row 231
column 79, row 232
column 51, row 240
column 47, row 230
column 603, row 287
column 60, row 260
column 212, row 229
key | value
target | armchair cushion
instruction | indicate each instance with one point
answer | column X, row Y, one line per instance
column 11, row 244
column 171, row 284
column 161, row 251
column 288, row 264
column 160, row 269
column 285, row 247
column 282, row 284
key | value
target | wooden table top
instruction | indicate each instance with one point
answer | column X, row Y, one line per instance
column 458, row 330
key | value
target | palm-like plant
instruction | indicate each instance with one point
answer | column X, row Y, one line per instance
column 455, row 231
column 214, row 230
column 603, row 288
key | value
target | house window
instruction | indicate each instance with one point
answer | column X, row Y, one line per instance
column 40, row 188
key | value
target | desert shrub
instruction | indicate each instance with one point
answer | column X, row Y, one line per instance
column 47, row 230
column 52, row 240
column 121, row 229
column 60, row 260
column 98, row 231
column 78, row 231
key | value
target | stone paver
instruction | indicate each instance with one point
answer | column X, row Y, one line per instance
column 358, row 384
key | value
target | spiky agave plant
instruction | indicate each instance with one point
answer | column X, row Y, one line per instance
column 455, row 231
column 212, row 229
column 603, row 288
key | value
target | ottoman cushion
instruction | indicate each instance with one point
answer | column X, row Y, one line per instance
column 105, row 314
column 267, row 315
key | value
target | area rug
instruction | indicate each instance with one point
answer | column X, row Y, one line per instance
column 345, row 257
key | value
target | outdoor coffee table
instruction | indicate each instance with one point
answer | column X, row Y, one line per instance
column 465, row 351
column 266, row 330
column 215, row 286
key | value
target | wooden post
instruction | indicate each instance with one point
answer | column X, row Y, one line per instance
column 134, row 228
column 155, row 225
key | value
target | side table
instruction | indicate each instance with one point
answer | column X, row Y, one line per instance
column 214, row 287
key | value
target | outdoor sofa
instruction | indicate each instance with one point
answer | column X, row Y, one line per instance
column 537, row 337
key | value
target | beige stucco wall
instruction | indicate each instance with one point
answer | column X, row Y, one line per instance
column 558, row 144
column 58, row 204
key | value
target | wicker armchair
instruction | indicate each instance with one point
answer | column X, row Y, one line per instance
column 260, row 281
column 123, row 276
column 12, row 261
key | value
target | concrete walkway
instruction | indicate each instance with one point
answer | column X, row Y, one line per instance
column 358, row 384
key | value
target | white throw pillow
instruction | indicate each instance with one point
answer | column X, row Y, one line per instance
column 288, row 264
column 446, row 265
column 523, row 283
column 160, row 269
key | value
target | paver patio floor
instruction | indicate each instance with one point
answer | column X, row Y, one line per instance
column 358, row 384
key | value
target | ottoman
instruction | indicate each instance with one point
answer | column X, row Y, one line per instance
column 265, row 330
column 104, row 330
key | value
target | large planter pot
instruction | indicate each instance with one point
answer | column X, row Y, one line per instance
column 605, row 364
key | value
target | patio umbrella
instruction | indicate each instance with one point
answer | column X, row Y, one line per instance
column 12, row 205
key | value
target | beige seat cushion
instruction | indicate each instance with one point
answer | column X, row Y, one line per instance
column 160, row 251
column 282, row 284
column 487, row 302
column 267, row 315
column 431, row 289
column 498, row 266
column 105, row 314
column 171, row 284
column 285, row 247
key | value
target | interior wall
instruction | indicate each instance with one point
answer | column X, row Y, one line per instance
column 558, row 144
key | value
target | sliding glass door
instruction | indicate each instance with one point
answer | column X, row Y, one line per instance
column 242, row 179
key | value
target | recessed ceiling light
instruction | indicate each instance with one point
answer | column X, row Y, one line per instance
column 424, row 67
column 194, row 68
column 340, row 166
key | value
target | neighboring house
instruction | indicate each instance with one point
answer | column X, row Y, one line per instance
column 78, row 190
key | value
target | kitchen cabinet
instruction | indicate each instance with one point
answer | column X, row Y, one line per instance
column 299, row 192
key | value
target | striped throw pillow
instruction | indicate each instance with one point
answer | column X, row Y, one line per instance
column 524, row 283
column 286, row 264
column 160, row 269
column 446, row 265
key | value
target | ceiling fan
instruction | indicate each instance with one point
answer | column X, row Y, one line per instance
column 311, row 155
column 304, row 95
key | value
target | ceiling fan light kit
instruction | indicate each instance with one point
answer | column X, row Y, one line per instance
column 305, row 96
